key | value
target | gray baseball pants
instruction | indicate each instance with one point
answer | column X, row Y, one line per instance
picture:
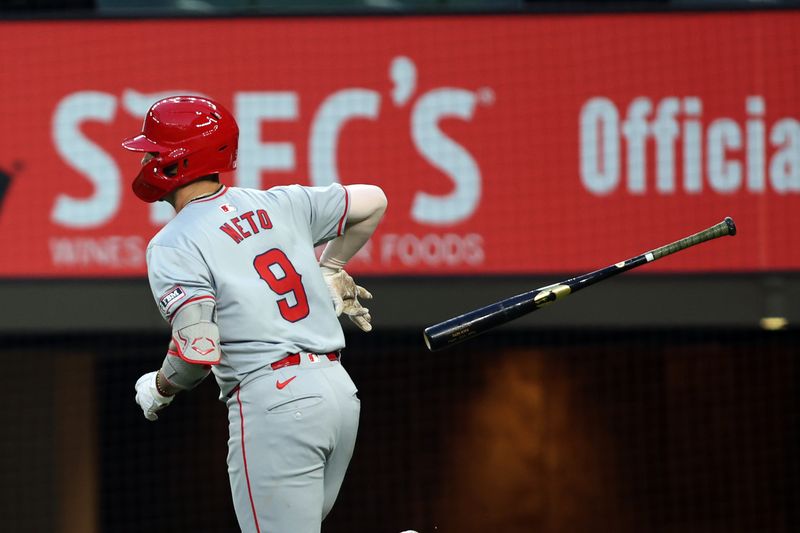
column 292, row 434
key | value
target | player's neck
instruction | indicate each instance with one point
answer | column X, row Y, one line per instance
column 193, row 191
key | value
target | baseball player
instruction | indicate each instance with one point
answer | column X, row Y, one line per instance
column 236, row 276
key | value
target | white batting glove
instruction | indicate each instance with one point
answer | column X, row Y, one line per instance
column 345, row 294
column 149, row 399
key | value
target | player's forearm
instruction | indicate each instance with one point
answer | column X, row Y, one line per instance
column 367, row 206
column 176, row 375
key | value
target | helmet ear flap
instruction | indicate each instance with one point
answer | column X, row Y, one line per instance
column 170, row 170
column 176, row 167
column 149, row 185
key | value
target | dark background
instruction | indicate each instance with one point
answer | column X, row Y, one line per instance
column 562, row 430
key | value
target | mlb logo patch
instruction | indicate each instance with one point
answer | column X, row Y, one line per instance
column 173, row 295
column 227, row 208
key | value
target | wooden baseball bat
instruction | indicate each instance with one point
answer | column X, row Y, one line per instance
column 468, row 325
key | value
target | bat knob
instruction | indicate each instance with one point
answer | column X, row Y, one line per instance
column 731, row 226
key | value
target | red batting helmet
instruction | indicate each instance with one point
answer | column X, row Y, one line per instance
column 191, row 136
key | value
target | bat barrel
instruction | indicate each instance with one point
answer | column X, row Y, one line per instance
column 468, row 325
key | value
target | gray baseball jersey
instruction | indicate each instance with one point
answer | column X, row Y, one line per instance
column 292, row 428
column 252, row 251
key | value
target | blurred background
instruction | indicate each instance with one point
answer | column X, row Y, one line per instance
column 519, row 143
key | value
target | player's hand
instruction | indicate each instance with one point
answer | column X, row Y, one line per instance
column 358, row 314
column 149, row 399
column 345, row 295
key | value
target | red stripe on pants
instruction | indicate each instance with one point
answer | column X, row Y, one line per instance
column 244, row 459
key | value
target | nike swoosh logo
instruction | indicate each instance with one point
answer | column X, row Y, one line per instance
column 281, row 384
